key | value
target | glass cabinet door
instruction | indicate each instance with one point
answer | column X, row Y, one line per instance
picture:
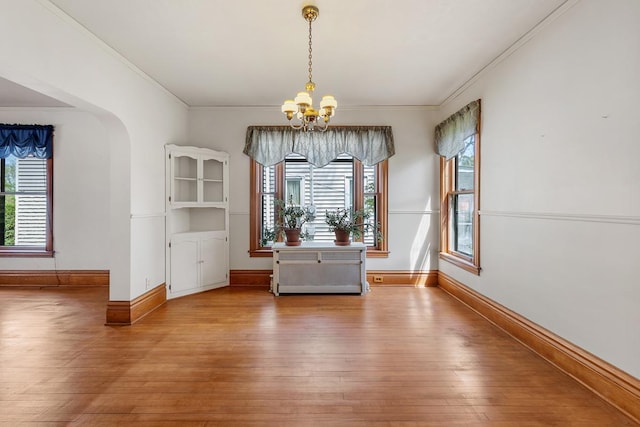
column 184, row 179
column 213, row 181
column 197, row 178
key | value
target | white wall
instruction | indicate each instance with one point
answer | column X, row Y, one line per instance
column 80, row 188
column 560, row 205
column 43, row 49
column 413, row 178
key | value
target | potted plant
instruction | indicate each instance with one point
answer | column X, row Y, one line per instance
column 347, row 222
column 291, row 218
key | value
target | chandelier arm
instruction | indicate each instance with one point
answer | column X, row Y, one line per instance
column 297, row 126
column 322, row 128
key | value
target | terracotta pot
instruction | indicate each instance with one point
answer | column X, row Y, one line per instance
column 342, row 238
column 293, row 236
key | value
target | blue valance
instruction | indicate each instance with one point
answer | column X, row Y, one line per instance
column 26, row 140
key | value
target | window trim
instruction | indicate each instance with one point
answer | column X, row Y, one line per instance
column 447, row 190
column 37, row 251
column 255, row 179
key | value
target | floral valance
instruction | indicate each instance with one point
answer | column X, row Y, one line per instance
column 451, row 133
column 26, row 140
column 269, row 145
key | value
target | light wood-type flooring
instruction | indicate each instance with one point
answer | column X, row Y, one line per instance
column 242, row 357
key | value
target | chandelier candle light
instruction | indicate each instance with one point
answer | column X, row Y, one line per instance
column 302, row 106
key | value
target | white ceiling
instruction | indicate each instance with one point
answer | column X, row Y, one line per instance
column 254, row 52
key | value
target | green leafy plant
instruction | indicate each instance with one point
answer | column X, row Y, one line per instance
column 353, row 222
column 291, row 215
column 269, row 236
column 8, row 207
column 290, row 219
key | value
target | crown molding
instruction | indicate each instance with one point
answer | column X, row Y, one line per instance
column 77, row 26
column 342, row 108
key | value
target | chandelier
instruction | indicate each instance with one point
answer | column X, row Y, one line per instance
column 308, row 118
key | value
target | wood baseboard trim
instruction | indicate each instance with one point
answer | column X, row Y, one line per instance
column 610, row 383
column 262, row 278
column 55, row 278
column 125, row 313
column 416, row 279
column 250, row 278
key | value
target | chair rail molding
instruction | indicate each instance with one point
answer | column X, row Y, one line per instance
column 551, row 216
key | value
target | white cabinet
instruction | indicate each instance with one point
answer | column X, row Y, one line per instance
column 197, row 219
column 196, row 261
column 319, row 267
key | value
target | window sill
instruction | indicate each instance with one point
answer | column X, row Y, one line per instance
column 266, row 252
column 460, row 262
column 41, row 253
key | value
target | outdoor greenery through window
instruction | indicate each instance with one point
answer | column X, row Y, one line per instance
column 25, row 206
column 343, row 183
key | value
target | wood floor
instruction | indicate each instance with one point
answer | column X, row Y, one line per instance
column 395, row 357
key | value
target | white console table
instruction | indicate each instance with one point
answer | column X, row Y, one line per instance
column 319, row 267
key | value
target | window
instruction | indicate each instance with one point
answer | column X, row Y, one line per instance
column 459, row 179
column 25, row 206
column 294, row 190
column 345, row 182
column 457, row 141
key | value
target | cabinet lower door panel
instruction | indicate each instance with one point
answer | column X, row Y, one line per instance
column 214, row 261
column 184, row 266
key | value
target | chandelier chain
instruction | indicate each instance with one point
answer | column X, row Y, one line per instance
column 310, row 54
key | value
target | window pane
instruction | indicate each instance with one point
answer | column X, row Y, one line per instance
column 31, row 220
column 293, row 191
column 7, row 220
column 465, row 166
column 23, row 202
column 8, row 174
column 268, row 195
column 268, row 234
column 370, row 203
column 348, row 192
column 462, row 224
